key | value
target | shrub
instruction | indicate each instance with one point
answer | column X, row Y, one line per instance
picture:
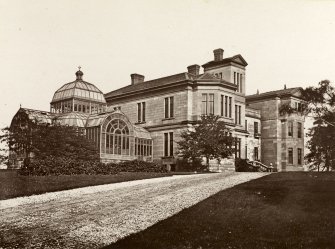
column 66, row 166
column 184, row 165
column 141, row 166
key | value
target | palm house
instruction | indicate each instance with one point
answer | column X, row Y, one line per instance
column 82, row 105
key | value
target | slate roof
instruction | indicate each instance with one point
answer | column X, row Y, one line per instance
column 272, row 94
column 151, row 84
column 165, row 81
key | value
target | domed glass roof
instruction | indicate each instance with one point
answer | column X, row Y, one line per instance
column 79, row 89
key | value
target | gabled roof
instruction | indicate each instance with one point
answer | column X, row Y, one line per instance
column 278, row 93
column 236, row 58
column 37, row 115
column 150, row 84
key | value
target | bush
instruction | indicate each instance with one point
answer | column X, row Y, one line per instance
column 66, row 166
column 241, row 165
column 184, row 165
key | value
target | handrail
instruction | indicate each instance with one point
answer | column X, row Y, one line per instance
column 260, row 165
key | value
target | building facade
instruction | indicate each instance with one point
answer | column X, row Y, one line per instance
column 144, row 119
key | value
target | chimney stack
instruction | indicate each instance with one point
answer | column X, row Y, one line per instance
column 136, row 78
column 194, row 69
column 218, row 54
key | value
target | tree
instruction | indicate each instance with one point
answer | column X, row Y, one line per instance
column 43, row 140
column 209, row 138
column 321, row 102
column 321, row 107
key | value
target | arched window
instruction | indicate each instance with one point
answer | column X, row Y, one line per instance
column 117, row 138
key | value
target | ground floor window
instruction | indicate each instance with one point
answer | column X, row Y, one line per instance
column 299, row 156
column 143, row 147
column 290, row 155
column 256, row 156
column 237, row 147
column 168, row 144
column 117, row 138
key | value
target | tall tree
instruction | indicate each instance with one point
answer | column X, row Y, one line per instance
column 321, row 107
column 209, row 138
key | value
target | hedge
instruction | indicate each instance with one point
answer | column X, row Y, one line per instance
column 67, row 166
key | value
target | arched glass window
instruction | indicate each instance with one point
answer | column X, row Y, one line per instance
column 117, row 138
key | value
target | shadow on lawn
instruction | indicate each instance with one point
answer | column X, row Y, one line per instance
column 283, row 210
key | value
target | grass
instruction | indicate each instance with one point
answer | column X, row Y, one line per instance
column 14, row 185
column 279, row 211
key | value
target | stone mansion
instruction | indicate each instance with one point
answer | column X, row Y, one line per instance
column 144, row 119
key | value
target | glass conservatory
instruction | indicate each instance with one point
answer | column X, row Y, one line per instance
column 118, row 139
column 78, row 96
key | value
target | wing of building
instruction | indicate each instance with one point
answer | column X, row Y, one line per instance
column 144, row 119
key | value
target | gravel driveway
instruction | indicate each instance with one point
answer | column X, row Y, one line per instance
column 92, row 217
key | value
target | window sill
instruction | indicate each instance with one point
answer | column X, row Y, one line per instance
column 168, row 118
column 142, row 122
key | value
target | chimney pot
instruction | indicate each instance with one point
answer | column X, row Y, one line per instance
column 218, row 54
column 194, row 69
column 136, row 78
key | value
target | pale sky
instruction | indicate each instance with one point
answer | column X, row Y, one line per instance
column 43, row 42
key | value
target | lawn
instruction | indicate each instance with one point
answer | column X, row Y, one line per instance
column 14, row 185
column 283, row 210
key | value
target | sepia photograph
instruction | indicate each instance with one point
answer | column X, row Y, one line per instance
column 156, row 124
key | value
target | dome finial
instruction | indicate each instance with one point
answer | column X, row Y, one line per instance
column 79, row 74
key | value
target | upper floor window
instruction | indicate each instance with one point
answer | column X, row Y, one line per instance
column 237, row 114
column 290, row 129
column 299, row 130
column 169, row 107
column 238, row 81
column 207, row 104
column 141, row 112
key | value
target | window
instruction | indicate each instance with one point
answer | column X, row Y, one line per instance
column 143, row 147
column 299, row 130
column 226, row 106
column 222, row 100
column 237, row 147
column 299, row 156
column 230, row 100
column 240, row 83
column 211, row 104
column 290, row 129
column 204, row 104
column 256, row 128
column 256, row 156
column 168, row 107
column 117, row 138
column 234, row 77
column 168, row 144
column 237, row 114
column 207, row 104
column 246, row 125
column 290, row 155
column 141, row 112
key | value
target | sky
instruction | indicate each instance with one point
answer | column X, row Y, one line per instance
column 43, row 42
